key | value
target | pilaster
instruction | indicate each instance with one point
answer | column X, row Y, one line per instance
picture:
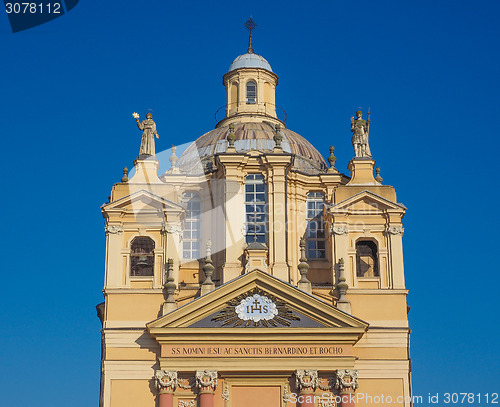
column 277, row 167
column 395, row 240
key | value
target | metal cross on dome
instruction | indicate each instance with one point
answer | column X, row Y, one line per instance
column 250, row 25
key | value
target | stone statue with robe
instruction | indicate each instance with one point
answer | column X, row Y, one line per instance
column 360, row 129
column 148, row 127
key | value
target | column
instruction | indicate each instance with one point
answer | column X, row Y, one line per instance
column 347, row 383
column 306, row 381
column 166, row 381
column 206, row 381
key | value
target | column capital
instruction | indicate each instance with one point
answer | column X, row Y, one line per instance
column 166, row 380
column 346, row 380
column 306, row 379
column 206, row 380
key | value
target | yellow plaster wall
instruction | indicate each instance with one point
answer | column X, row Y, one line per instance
column 379, row 387
column 381, row 353
column 378, row 307
column 142, row 284
column 189, row 273
column 133, row 307
column 251, row 396
column 130, row 354
column 343, row 192
column 131, row 393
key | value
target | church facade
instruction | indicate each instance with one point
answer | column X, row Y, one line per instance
column 252, row 272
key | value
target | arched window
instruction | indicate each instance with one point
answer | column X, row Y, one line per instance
column 191, row 234
column 315, row 234
column 142, row 258
column 251, row 92
column 366, row 259
column 255, row 209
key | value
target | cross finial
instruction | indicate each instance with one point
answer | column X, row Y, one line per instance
column 250, row 25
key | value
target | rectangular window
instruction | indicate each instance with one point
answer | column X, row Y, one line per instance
column 255, row 209
column 315, row 233
column 251, row 92
column 191, row 234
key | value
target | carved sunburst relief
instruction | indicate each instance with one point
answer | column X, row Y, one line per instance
column 256, row 308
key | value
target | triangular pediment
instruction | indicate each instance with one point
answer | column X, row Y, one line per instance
column 367, row 202
column 142, row 201
column 294, row 308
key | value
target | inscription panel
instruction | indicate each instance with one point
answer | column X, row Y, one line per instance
column 253, row 351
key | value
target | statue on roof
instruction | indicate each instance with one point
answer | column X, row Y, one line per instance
column 360, row 129
column 148, row 127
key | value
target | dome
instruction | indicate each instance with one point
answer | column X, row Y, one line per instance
column 198, row 157
column 250, row 61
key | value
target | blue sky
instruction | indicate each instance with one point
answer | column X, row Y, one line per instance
column 428, row 70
